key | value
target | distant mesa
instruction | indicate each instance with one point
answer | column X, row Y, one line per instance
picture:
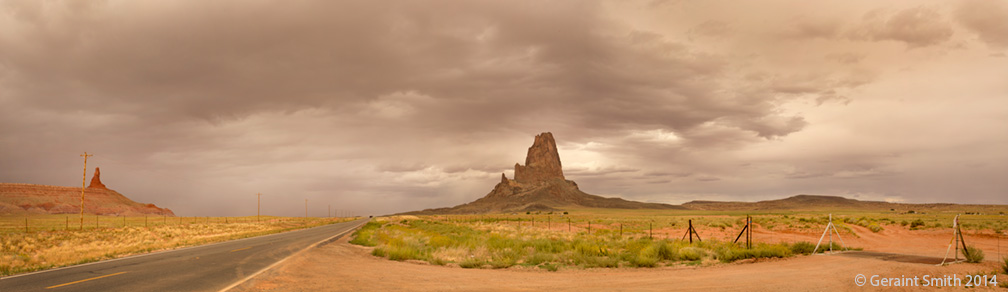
column 539, row 185
column 18, row 198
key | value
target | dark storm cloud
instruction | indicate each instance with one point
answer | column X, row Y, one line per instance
column 987, row 20
column 393, row 106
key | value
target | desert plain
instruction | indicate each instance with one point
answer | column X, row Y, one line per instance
column 895, row 250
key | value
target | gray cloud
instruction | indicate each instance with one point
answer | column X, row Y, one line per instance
column 383, row 106
column 986, row 19
column 916, row 27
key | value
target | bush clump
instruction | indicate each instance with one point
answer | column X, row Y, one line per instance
column 802, row 247
column 471, row 263
column 690, row 253
column 874, row 227
column 476, row 246
column 974, row 255
column 363, row 235
column 648, row 257
column 1004, row 266
column 916, row 223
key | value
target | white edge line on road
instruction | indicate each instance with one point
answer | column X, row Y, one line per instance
column 253, row 275
column 158, row 252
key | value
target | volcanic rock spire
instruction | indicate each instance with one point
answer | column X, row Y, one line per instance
column 539, row 185
column 542, row 163
column 96, row 180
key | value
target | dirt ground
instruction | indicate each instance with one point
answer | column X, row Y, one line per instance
column 340, row 266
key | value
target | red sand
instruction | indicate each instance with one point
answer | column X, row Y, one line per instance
column 340, row 266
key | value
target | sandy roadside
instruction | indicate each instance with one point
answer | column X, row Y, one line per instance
column 340, row 266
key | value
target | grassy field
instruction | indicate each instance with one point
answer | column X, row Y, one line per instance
column 623, row 238
column 51, row 241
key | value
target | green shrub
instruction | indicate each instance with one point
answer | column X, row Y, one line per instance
column 597, row 261
column 471, row 263
column 916, row 223
column 824, row 247
column 590, row 249
column 549, row 267
column 401, row 253
column 1004, row 266
column 874, row 227
column 440, row 241
column 904, row 223
column 665, row 251
column 691, row 253
column 502, row 262
column 650, row 255
column 802, row 247
column 363, row 236
column 974, row 255
column 734, row 253
column 771, row 251
column 537, row 258
column 646, row 258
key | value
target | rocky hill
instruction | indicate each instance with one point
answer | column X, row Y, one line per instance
column 539, row 185
column 98, row 199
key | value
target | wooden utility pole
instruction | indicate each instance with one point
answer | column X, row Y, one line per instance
column 306, row 209
column 83, row 180
column 258, row 206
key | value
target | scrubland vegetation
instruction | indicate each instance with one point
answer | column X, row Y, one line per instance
column 49, row 242
column 617, row 238
column 498, row 244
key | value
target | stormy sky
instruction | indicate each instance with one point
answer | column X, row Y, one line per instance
column 389, row 106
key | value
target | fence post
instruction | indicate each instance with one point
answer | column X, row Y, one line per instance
column 621, row 230
column 26, row 224
column 650, row 231
column 690, row 231
column 749, row 232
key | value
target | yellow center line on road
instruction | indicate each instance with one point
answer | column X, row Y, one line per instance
column 241, row 249
column 85, row 280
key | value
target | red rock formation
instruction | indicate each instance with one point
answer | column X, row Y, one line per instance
column 542, row 163
column 539, row 185
column 98, row 199
column 96, row 180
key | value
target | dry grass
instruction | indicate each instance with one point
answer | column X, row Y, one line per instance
column 617, row 238
column 500, row 244
column 49, row 244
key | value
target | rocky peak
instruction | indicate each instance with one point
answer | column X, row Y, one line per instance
column 96, row 180
column 542, row 163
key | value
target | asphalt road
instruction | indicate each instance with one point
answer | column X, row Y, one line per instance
column 210, row 267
